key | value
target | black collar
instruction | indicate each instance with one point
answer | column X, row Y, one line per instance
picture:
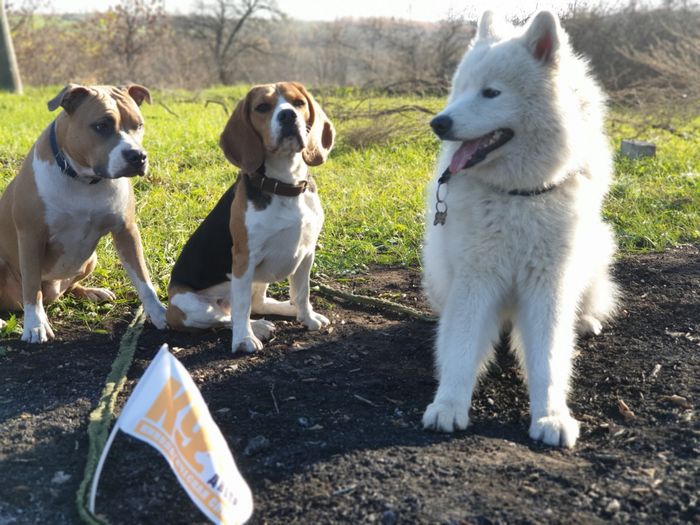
column 532, row 193
column 271, row 185
column 518, row 193
column 61, row 161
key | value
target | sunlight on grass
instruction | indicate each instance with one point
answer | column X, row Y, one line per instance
column 372, row 196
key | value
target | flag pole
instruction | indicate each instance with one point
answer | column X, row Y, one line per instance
column 100, row 464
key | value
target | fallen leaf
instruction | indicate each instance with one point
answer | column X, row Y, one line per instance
column 676, row 400
column 625, row 411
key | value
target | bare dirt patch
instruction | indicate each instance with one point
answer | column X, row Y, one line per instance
column 340, row 413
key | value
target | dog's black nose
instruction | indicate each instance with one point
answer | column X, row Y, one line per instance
column 287, row 116
column 441, row 125
column 135, row 157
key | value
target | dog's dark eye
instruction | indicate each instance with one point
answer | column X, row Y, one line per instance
column 263, row 108
column 299, row 103
column 490, row 93
column 103, row 127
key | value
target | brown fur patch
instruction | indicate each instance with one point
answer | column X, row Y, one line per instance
column 72, row 286
column 43, row 148
column 247, row 135
column 239, row 233
column 175, row 289
column 176, row 318
column 21, row 208
column 10, row 288
column 75, row 132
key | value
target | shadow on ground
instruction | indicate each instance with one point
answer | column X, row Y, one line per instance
column 341, row 415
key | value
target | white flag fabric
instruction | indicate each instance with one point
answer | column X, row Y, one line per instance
column 167, row 411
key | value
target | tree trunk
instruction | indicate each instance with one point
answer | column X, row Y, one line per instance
column 9, row 72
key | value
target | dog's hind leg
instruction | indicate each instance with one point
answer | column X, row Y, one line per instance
column 96, row 295
column 598, row 304
column 10, row 288
column 263, row 305
column 189, row 310
column 600, row 298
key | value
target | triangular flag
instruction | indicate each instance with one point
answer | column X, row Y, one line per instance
column 167, row 411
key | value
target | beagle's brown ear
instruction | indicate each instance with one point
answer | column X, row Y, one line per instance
column 69, row 98
column 240, row 142
column 321, row 132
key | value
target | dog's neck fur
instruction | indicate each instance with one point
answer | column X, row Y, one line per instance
column 85, row 173
column 290, row 169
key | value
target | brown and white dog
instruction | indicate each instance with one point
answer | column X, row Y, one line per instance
column 264, row 228
column 72, row 190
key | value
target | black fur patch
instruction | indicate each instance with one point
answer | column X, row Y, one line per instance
column 206, row 258
column 259, row 199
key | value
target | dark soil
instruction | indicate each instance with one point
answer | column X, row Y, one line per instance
column 342, row 409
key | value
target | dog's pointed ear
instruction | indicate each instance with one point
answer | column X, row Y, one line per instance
column 486, row 29
column 240, row 142
column 69, row 98
column 542, row 37
column 139, row 93
column 321, row 131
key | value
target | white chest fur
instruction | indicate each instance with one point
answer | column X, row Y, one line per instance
column 77, row 215
column 282, row 234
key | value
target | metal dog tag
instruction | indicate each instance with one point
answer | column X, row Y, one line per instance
column 440, row 204
column 440, row 218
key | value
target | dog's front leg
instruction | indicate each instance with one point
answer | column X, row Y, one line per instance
column 467, row 330
column 299, row 294
column 31, row 253
column 545, row 327
column 128, row 244
column 246, row 334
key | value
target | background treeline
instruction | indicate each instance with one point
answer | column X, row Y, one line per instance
column 638, row 53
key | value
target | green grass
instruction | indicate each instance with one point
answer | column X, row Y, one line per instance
column 655, row 202
column 372, row 195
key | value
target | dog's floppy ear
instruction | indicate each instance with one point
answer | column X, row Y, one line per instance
column 69, row 98
column 240, row 142
column 542, row 37
column 321, row 132
column 139, row 93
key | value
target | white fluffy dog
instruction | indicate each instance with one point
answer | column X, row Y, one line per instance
column 514, row 234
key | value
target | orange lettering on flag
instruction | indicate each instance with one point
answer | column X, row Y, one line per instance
column 167, row 404
column 166, row 407
column 198, row 440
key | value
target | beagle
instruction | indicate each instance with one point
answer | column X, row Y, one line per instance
column 73, row 189
column 264, row 228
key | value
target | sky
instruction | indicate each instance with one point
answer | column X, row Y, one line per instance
column 425, row 10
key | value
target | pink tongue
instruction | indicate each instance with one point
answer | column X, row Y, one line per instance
column 464, row 154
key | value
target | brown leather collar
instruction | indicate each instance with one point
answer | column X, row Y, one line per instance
column 270, row 185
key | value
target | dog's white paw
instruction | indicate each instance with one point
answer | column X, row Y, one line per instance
column 247, row 345
column 315, row 321
column 558, row 431
column 37, row 330
column 589, row 325
column 262, row 328
column 446, row 416
column 156, row 314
